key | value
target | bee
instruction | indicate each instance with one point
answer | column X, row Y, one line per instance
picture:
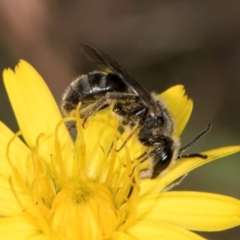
column 134, row 104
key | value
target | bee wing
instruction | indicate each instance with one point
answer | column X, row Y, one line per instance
column 104, row 62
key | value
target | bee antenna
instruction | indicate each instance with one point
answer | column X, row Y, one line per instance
column 200, row 135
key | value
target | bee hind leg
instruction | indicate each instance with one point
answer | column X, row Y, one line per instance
column 105, row 100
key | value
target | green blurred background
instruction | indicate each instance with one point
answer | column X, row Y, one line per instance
column 162, row 43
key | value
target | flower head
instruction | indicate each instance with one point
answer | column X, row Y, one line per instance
column 54, row 187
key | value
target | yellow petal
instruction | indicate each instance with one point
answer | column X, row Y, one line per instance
column 179, row 105
column 35, row 109
column 39, row 237
column 192, row 210
column 184, row 166
column 18, row 153
column 16, row 228
column 121, row 236
column 156, row 230
column 98, row 142
column 32, row 102
column 8, row 203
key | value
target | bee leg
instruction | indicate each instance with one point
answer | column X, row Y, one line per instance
column 124, row 143
column 137, row 113
column 105, row 100
column 141, row 157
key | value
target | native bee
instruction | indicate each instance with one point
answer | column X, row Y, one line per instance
column 136, row 106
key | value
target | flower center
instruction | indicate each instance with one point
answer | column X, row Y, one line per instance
column 83, row 210
column 81, row 195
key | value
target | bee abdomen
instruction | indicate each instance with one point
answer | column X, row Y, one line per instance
column 90, row 87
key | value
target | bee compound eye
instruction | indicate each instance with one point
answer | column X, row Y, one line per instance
column 162, row 158
column 161, row 163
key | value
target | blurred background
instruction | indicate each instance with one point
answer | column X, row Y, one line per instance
column 162, row 43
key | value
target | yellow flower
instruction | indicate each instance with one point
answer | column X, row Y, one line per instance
column 53, row 187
